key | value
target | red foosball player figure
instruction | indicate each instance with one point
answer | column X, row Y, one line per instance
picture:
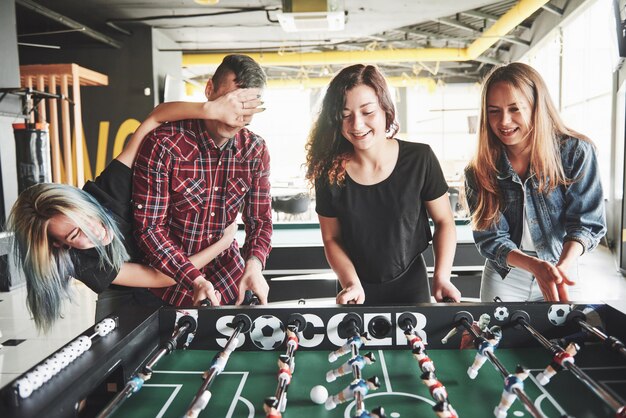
column 415, row 341
column 270, row 407
column 445, row 410
column 488, row 343
column 292, row 344
column 435, row 387
column 511, row 382
column 559, row 359
column 358, row 385
column 284, row 374
column 356, row 340
column 359, row 361
column 425, row 363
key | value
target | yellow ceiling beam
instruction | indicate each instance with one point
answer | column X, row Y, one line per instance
column 500, row 28
column 516, row 15
column 318, row 82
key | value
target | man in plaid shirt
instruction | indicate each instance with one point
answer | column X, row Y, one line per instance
column 191, row 178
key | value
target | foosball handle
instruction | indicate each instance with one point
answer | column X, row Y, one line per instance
column 190, row 320
column 575, row 315
column 239, row 318
column 517, row 316
column 250, row 298
column 406, row 321
column 448, row 299
column 352, row 323
column 463, row 315
column 206, row 303
column 297, row 320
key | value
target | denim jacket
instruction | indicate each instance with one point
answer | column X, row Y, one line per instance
column 569, row 213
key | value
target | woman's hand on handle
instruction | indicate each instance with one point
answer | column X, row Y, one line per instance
column 443, row 289
column 352, row 293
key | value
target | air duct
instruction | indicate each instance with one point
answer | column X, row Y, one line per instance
column 311, row 15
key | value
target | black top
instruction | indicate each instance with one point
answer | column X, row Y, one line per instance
column 113, row 190
column 384, row 227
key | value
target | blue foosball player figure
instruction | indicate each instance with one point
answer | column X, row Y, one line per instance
column 359, row 361
column 485, row 344
column 356, row 340
column 358, row 385
column 511, row 382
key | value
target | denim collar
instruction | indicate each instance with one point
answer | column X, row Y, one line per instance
column 505, row 170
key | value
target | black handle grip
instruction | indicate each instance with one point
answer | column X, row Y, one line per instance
column 250, row 298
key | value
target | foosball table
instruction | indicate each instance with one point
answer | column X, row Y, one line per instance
column 300, row 360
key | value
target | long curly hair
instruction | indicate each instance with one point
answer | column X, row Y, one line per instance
column 46, row 267
column 547, row 130
column 327, row 149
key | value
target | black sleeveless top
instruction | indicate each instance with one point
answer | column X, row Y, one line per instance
column 385, row 227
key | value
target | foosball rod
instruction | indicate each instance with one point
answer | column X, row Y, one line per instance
column 530, row 406
column 202, row 397
column 297, row 322
column 611, row 342
column 135, row 383
column 354, row 320
column 522, row 318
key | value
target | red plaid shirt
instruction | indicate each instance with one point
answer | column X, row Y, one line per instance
column 186, row 191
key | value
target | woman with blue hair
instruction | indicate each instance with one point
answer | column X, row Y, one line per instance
column 61, row 231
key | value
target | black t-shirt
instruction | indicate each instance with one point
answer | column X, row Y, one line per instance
column 384, row 226
column 113, row 190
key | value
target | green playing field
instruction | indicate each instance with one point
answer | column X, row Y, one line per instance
column 249, row 377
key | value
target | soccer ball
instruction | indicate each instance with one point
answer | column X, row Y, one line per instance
column 267, row 332
column 557, row 314
column 501, row 313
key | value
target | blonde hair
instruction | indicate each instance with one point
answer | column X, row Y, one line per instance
column 546, row 131
column 45, row 267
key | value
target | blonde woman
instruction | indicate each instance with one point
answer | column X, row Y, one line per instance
column 534, row 192
column 61, row 231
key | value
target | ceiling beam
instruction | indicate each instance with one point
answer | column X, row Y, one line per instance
column 70, row 23
column 456, row 24
column 516, row 40
column 477, row 14
column 553, row 9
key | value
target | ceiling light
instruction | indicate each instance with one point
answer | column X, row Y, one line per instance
column 207, row 2
column 312, row 15
column 312, row 21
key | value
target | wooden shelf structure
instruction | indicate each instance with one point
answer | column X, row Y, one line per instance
column 69, row 78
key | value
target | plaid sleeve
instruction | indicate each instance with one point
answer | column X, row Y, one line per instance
column 151, row 199
column 257, row 211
